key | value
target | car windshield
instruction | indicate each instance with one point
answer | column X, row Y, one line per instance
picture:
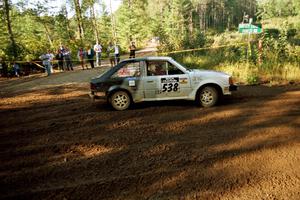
column 187, row 68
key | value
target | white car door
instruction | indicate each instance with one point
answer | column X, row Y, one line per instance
column 176, row 84
column 165, row 81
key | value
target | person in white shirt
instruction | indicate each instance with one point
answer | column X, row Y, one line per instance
column 98, row 50
column 47, row 58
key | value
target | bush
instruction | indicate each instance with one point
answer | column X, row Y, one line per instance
column 272, row 32
column 252, row 79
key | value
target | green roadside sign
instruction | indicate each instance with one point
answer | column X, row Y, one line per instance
column 250, row 28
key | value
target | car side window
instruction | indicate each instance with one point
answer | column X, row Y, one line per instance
column 131, row 69
column 156, row 68
column 173, row 70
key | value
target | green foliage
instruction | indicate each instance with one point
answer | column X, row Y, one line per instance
column 272, row 32
column 9, row 49
column 196, row 41
column 132, row 23
column 280, row 59
column 36, row 31
column 276, row 48
column 252, row 79
column 278, row 8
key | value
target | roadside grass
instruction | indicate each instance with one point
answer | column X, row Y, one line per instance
column 276, row 22
column 252, row 74
column 243, row 71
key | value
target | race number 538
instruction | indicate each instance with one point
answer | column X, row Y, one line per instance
column 170, row 84
column 169, row 87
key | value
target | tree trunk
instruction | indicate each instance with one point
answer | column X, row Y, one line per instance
column 204, row 17
column 47, row 34
column 96, row 32
column 9, row 29
column 67, row 22
column 191, row 25
column 114, row 34
column 79, row 20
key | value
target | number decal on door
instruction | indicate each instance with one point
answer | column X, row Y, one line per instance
column 170, row 84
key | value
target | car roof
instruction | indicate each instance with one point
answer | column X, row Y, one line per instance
column 149, row 58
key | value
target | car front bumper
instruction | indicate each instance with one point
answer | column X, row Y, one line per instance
column 233, row 88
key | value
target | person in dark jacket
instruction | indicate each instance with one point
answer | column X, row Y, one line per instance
column 67, row 58
column 16, row 68
column 3, row 68
column 90, row 53
column 132, row 49
column 111, row 54
column 60, row 58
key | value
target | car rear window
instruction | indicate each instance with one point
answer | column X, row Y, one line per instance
column 131, row 69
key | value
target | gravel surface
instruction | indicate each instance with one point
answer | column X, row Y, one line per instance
column 56, row 144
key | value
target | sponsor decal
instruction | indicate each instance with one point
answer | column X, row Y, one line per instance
column 131, row 83
column 183, row 80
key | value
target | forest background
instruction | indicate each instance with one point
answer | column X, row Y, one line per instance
column 208, row 27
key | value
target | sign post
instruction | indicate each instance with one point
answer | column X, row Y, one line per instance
column 249, row 28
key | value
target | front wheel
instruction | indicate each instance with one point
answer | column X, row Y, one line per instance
column 208, row 96
column 120, row 100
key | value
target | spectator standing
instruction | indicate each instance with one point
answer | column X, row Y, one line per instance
column 81, row 56
column 16, row 68
column 60, row 58
column 132, row 49
column 67, row 58
column 98, row 50
column 47, row 58
column 90, row 56
column 62, row 48
column 117, row 53
column 3, row 68
column 110, row 53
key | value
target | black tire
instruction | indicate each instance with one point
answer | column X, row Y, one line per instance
column 208, row 97
column 120, row 100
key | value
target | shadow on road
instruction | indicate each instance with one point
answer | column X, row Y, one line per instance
column 59, row 145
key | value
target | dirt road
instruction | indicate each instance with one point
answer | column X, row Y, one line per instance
column 56, row 144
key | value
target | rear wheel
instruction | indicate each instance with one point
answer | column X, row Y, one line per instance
column 120, row 100
column 208, row 96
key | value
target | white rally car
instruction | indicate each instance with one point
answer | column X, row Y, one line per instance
column 156, row 79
